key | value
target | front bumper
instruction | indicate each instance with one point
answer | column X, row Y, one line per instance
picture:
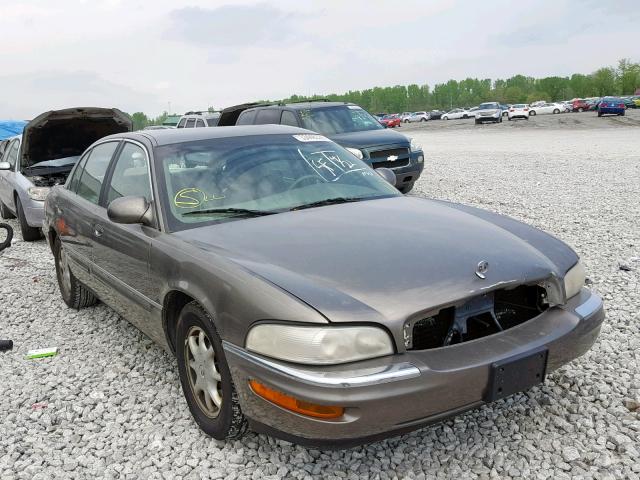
column 399, row 393
column 611, row 111
column 408, row 174
column 33, row 211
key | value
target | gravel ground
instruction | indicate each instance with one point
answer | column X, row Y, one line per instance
column 109, row 405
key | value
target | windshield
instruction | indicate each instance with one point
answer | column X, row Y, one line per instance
column 220, row 180
column 340, row 119
column 488, row 106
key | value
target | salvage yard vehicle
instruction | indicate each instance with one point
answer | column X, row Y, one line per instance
column 519, row 110
column 611, row 106
column 457, row 113
column 419, row 117
column 198, row 120
column 265, row 258
column 580, row 105
column 547, row 108
column 489, row 112
column 43, row 156
column 346, row 124
column 390, row 121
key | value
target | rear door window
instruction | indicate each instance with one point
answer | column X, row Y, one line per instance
column 246, row 118
column 77, row 173
column 200, row 124
column 288, row 118
column 191, row 123
column 268, row 116
column 92, row 178
column 12, row 153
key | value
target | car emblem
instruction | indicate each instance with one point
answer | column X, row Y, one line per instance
column 482, row 268
column 392, row 158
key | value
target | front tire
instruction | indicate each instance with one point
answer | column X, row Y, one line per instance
column 532, row 113
column 29, row 234
column 205, row 376
column 556, row 111
column 74, row 294
column 5, row 213
column 580, row 110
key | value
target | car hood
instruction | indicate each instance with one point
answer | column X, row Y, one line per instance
column 387, row 259
column 369, row 138
column 67, row 133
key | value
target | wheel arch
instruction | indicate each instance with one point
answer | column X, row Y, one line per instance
column 173, row 303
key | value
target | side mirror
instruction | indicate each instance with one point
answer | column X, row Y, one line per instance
column 5, row 166
column 388, row 175
column 130, row 210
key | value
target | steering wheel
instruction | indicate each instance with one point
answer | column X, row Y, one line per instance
column 305, row 178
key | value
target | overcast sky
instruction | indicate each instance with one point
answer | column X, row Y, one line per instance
column 141, row 56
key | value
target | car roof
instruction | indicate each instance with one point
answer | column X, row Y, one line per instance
column 180, row 135
column 303, row 105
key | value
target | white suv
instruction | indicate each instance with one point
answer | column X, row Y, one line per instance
column 199, row 119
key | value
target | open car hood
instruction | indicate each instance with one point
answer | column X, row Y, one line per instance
column 67, row 133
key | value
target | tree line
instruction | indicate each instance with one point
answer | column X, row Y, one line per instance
column 623, row 79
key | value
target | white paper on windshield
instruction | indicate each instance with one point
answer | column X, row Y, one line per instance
column 354, row 107
column 310, row 137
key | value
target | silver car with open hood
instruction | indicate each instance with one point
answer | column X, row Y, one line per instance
column 43, row 156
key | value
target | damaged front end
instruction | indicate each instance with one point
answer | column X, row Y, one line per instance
column 480, row 316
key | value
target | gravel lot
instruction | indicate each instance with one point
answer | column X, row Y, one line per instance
column 109, row 405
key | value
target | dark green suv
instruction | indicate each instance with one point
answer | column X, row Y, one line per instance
column 346, row 124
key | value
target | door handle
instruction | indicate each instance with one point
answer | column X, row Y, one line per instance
column 98, row 230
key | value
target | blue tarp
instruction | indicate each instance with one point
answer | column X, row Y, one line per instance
column 9, row 128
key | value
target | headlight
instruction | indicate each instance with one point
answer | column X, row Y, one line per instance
column 415, row 146
column 38, row 193
column 319, row 345
column 356, row 152
column 574, row 280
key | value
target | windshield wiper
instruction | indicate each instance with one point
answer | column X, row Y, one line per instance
column 328, row 201
column 235, row 211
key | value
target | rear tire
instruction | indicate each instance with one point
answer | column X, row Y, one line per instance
column 74, row 294
column 622, row 114
column 580, row 110
column 218, row 414
column 5, row 213
column 556, row 111
column 423, row 119
column 29, row 234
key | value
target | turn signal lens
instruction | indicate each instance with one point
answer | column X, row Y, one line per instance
column 295, row 405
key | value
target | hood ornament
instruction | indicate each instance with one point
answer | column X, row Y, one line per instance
column 481, row 269
column 392, row 158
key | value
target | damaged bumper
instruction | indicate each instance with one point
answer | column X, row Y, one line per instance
column 399, row 393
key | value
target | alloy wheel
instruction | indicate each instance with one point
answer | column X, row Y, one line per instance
column 202, row 371
column 64, row 273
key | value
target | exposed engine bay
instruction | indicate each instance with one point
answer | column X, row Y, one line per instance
column 478, row 317
column 49, row 180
